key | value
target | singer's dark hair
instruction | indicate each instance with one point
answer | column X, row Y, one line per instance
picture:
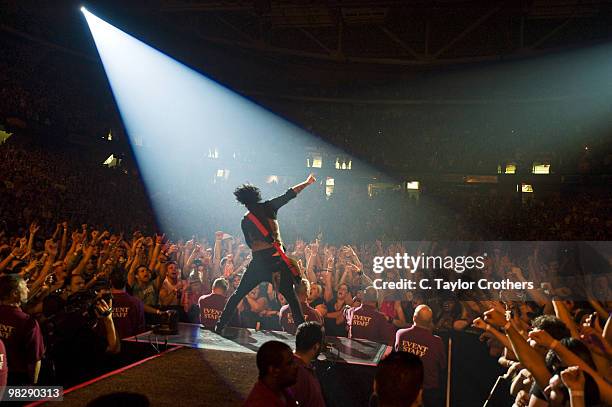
column 247, row 194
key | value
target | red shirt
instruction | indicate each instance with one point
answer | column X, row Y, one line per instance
column 3, row 368
column 388, row 308
column 22, row 338
column 128, row 314
column 286, row 317
column 366, row 322
column 428, row 347
column 307, row 389
column 211, row 307
column 262, row 396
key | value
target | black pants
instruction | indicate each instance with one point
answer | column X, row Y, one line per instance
column 259, row 270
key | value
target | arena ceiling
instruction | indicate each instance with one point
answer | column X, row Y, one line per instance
column 419, row 32
column 270, row 46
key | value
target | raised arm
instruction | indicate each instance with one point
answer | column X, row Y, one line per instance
column 96, row 236
column 503, row 339
column 64, row 242
column 574, row 380
column 197, row 251
column 14, row 254
column 72, row 253
column 229, row 246
column 354, row 258
column 158, row 244
column 601, row 311
column 34, row 228
column 571, row 359
column 310, row 262
column 529, row 357
column 344, row 277
column 535, row 293
column 56, row 233
column 161, row 275
column 328, row 293
column 87, row 253
column 564, row 315
column 300, row 187
column 216, row 264
column 243, row 265
column 51, row 251
column 132, row 271
column 105, row 313
column 607, row 331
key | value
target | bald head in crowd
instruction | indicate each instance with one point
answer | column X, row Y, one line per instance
column 219, row 286
column 370, row 296
column 423, row 317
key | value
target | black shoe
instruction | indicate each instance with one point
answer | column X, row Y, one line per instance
column 229, row 333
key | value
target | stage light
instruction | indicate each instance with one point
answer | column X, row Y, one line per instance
column 540, row 168
column 83, row 9
column 314, row 160
column 329, row 186
column 112, row 161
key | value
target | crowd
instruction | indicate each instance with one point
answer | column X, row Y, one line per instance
column 46, row 184
column 125, row 282
column 49, row 91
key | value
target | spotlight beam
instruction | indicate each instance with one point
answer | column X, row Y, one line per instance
column 176, row 117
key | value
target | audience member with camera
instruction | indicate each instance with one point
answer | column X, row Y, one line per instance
column 81, row 335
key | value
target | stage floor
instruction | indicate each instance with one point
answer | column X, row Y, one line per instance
column 344, row 350
column 199, row 367
column 178, row 376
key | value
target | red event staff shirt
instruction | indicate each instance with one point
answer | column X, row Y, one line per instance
column 286, row 317
column 429, row 347
column 211, row 307
column 22, row 338
column 3, row 367
column 366, row 322
column 128, row 315
column 307, row 389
